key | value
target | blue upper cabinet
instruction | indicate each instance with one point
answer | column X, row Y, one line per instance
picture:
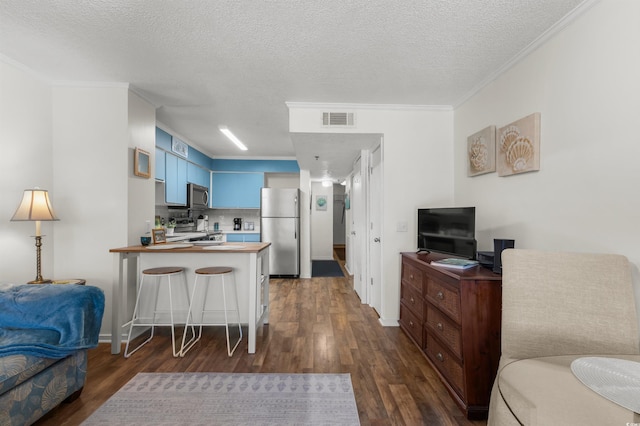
column 175, row 180
column 236, row 190
column 197, row 175
column 163, row 139
column 160, row 164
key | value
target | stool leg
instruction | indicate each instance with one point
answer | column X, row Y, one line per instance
column 230, row 350
column 184, row 348
column 173, row 323
column 127, row 354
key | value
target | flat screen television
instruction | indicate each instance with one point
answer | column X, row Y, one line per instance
column 448, row 230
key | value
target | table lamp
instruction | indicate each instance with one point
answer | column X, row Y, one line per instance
column 35, row 206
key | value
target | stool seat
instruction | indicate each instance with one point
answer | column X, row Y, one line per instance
column 163, row 270
column 209, row 273
column 214, row 270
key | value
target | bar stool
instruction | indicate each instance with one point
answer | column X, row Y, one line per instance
column 137, row 321
column 210, row 273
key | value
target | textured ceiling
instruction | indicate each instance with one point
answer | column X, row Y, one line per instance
column 206, row 63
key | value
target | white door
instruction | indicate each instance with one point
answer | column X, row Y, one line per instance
column 357, row 232
column 375, row 234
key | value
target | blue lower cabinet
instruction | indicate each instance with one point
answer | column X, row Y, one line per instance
column 243, row 238
column 251, row 238
column 235, row 238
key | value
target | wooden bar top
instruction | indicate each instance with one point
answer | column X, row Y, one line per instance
column 193, row 248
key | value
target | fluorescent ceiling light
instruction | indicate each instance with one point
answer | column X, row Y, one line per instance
column 232, row 137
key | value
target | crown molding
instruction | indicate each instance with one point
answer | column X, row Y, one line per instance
column 351, row 107
column 90, row 84
column 22, row 67
column 533, row 46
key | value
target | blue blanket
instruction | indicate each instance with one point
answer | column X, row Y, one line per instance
column 49, row 320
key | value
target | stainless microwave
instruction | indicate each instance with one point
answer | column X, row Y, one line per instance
column 197, row 196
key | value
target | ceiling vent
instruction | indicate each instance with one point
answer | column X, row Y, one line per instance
column 338, row 119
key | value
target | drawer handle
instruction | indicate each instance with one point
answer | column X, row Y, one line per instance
column 412, row 300
column 440, row 357
column 411, row 276
column 411, row 324
column 440, row 326
column 440, row 295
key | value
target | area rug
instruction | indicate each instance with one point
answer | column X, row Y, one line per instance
column 231, row 399
column 326, row 268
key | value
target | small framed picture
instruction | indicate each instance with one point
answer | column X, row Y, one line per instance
column 158, row 236
column 179, row 147
column 142, row 163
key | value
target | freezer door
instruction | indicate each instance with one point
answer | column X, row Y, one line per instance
column 279, row 202
column 284, row 253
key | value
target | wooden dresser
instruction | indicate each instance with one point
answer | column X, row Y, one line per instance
column 454, row 317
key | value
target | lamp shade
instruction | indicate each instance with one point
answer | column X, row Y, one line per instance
column 35, row 205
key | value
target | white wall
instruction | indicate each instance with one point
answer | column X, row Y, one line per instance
column 102, row 204
column 585, row 82
column 76, row 142
column 305, row 224
column 142, row 134
column 418, row 171
column 25, row 162
column 321, row 223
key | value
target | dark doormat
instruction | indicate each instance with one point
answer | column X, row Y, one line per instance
column 326, row 268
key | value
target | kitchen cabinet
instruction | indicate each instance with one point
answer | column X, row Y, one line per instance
column 197, row 175
column 236, row 190
column 243, row 238
column 175, row 179
column 160, row 164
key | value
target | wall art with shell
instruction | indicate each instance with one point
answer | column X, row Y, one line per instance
column 518, row 148
column 481, row 148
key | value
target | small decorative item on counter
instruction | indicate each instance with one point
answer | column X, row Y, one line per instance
column 158, row 222
column 159, row 236
column 171, row 226
column 145, row 240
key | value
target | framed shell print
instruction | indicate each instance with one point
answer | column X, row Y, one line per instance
column 481, row 149
column 518, row 148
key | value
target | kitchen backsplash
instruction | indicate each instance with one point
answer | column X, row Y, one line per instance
column 224, row 217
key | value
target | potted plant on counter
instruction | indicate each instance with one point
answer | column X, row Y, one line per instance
column 171, row 227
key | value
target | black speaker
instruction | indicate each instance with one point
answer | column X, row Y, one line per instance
column 498, row 246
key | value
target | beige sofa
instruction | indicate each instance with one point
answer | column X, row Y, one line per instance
column 558, row 307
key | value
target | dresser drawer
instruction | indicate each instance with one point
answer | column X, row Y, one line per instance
column 445, row 363
column 447, row 299
column 411, row 324
column 412, row 299
column 412, row 276
column 446, row 330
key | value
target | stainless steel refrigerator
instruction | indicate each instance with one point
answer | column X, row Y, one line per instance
column 280, row 225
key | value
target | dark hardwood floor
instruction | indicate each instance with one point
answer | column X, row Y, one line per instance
column 316, row 326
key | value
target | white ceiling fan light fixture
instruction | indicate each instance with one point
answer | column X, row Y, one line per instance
column 225, row 130
column 327, row 183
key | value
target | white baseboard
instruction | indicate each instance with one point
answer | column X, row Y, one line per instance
column 389, row 322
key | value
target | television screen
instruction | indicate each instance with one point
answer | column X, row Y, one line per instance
column 449, row 230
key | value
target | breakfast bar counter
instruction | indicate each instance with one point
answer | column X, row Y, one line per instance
column 250, row 262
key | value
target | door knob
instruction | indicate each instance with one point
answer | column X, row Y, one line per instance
column 376, row 240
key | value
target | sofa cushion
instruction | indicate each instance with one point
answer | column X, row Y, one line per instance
column 544, row 391
column 15, row 369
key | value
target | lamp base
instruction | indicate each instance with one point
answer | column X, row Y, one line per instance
column 43, row 281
